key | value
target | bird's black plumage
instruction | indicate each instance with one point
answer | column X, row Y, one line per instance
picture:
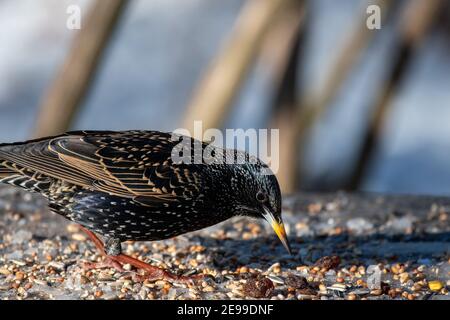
column 126, row 186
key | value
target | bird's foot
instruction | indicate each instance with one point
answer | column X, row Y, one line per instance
column 155, row 273
column 151, row 273
column 106, row 263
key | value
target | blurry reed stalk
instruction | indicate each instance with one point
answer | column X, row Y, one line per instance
column 73, row 81
column 213, row 97
column 314, row 104
column 281, row 55
column 416, row 21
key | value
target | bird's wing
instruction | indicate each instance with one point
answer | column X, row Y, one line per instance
column 129, row 164
column 5, row 171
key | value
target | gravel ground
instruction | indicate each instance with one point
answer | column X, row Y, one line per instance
column 346, row 246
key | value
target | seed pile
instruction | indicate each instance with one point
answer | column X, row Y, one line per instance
column 345, row 247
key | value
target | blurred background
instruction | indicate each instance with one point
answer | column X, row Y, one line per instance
column 357, row 109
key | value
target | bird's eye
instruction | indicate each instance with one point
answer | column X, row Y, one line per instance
column 261, row 196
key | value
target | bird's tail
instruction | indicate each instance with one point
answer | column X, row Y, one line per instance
column 16, row 175
column 5, row 171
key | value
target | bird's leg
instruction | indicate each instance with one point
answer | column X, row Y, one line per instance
column 107, row 262
column 115, row 259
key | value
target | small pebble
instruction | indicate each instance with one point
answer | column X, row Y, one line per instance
column 259, row 287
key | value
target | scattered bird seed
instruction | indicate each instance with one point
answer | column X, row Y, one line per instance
column 341, row 266
column 435, row 285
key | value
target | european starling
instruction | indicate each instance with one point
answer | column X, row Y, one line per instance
column 126, row 186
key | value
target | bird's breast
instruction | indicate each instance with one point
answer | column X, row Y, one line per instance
column 127, row 219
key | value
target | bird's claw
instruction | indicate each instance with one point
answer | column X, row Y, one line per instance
column 106, row 263
column 159, row 274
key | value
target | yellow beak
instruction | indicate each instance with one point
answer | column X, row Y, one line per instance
column 278, row 227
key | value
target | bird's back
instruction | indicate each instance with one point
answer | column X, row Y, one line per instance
column 121, row 162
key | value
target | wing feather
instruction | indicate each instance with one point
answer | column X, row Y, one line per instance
column 133, row 164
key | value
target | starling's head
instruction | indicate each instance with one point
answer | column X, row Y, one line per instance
column 260, row 197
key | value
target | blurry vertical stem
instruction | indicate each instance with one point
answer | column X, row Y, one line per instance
column 72, row 83
column 415, row 22
column 314, row 104
column 281, row 53
column 220, row 85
